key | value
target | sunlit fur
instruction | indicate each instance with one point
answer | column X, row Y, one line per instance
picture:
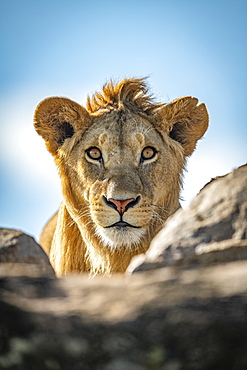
column 120, row 121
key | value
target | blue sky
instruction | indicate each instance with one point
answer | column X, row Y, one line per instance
column 71, row 47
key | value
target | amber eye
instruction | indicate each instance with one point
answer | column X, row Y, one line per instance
column 94, row 153
column 148, row 153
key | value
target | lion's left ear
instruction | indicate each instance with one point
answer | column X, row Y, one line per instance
column 185, row 120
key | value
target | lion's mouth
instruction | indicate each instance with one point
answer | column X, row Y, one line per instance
column 122, row 224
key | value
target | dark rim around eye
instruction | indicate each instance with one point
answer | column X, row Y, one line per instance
column 143, row 158
column 94, row 158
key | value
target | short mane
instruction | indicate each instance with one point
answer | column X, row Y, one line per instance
column 132, row 93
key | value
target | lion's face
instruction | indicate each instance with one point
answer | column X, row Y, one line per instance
column 121, row 160
column 124, row 170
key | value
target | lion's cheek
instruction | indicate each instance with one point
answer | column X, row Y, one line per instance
column 103, row 217
column 139, row 217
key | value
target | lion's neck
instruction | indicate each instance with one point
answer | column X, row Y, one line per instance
column 67, row 246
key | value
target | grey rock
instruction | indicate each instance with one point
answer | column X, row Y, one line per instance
column 17, row 248
column 213, row 229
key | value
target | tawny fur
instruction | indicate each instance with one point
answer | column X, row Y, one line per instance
column 119, row 122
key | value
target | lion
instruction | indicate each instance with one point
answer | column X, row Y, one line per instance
column 121, row 162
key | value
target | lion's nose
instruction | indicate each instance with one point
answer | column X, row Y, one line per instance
column 121, row 205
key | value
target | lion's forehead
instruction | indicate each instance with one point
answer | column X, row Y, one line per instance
column 114, row 134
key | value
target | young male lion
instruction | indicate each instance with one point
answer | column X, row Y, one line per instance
column 120, row 161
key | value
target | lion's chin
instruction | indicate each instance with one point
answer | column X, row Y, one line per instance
column 120, row 237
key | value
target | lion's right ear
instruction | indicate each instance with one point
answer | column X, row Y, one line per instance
column 57, row 119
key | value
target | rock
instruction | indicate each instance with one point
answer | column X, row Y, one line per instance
column 213, row 229
column 18, row 248
column 164, row 320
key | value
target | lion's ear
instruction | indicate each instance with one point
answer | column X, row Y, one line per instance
column 185, row 120
column 57, row 119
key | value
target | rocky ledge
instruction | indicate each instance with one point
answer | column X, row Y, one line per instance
column 181, row 306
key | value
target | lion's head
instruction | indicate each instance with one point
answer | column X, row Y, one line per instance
column 120, row 161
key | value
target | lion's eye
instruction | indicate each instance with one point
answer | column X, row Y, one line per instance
column 94, row 153
column 148, row 153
